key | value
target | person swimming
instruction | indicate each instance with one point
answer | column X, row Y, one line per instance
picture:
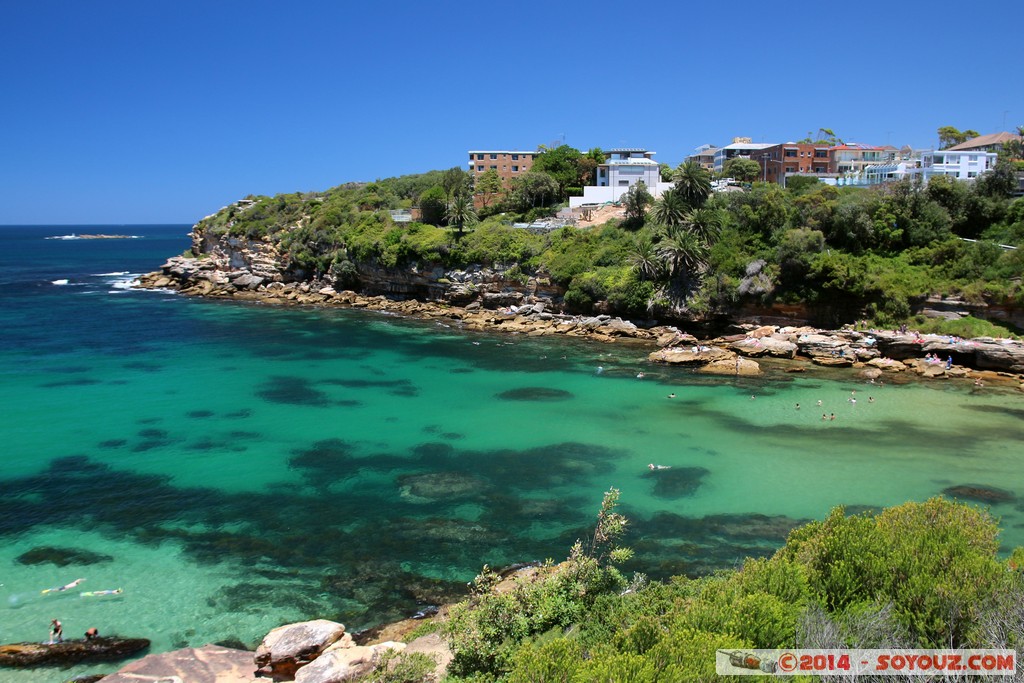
column 653, row 467
column 60, row 589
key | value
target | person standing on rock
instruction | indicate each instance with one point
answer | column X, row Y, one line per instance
column 93, row 632
column 56, row 632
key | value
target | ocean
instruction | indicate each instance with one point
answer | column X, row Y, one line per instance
column 232, row 467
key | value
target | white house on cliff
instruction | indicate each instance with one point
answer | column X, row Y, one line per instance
column 622, row 169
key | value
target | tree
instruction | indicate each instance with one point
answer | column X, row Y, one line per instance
column 1001, row 181
column 460, row 211
column 643, row 259
column 532, row 189
column 705, row 223
column 693, row 183
column 682, row 251
column 670, row 210
column 561, row 163
column 636, row 200
column 745, row 170
column 949, row 136
column 455, row 180
column 487, row 185
column 826, row 136
column 433, row 203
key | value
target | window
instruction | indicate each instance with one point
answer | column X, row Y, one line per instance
column 790, row 153
column 515, row 168
column 480, row 168
column 515, row 157
column 972, row 174
column 479, row 157
column 821, row 154
column 504, row 168
column 494, row 156
column 494, row 168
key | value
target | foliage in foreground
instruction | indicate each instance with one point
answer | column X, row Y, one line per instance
column 915, row 575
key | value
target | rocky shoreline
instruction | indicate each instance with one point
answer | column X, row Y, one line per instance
column 871, row 353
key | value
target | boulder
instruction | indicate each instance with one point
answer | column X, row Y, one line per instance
column 691, row 355
column 340, row 665
column 246, row 280
column 832, row 361
column 764, row 346
column 887, row 364
column 207, row 664
column 737, row 366
column 287, row 648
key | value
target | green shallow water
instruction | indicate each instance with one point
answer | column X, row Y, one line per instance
column 241, row 466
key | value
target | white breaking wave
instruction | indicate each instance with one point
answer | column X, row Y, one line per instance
column 115, row 274
column 59, row 282
column 125, row 281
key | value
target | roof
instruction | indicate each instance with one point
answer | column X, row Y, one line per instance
column 627, row 150
column 749, row 145
column 501, row 151
column 985, row 141
column 860, row 146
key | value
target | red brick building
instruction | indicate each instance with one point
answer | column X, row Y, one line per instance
column 508, row 164
column 792, row 158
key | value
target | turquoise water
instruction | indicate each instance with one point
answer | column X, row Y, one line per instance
column 234, row 467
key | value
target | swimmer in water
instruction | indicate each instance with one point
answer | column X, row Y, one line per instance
column 60, row 589
column 653, row 467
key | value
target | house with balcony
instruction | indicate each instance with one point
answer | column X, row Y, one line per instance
column 704, row 156
column 739, row 148
column 791, row 159
column 852, row 158
column 959, row 164
column 622, row 169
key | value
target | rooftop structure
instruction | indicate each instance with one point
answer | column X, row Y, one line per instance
column 993, row 142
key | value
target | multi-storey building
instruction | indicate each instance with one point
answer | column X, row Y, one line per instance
column 852, row 158
column 508, row 164
column 959, row 164
column 792, row 158
column 740, row 148
column 704, row 156
column 622, row 169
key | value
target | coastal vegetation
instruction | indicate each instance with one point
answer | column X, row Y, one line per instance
column 844, row 254
column 920, row 575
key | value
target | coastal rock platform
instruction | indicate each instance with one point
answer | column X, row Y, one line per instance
column 253, row 279
column 70, row 651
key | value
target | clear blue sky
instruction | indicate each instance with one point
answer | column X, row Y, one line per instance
column 154, row 111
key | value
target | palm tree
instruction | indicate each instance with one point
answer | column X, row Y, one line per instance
column 670, row 209
column 643, row 258
column 460, row 211
column 705, row 223
column 683, row 251
column 693, row 183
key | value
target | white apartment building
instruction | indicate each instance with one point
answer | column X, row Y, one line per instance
column 962, row 165
column 622, row 169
